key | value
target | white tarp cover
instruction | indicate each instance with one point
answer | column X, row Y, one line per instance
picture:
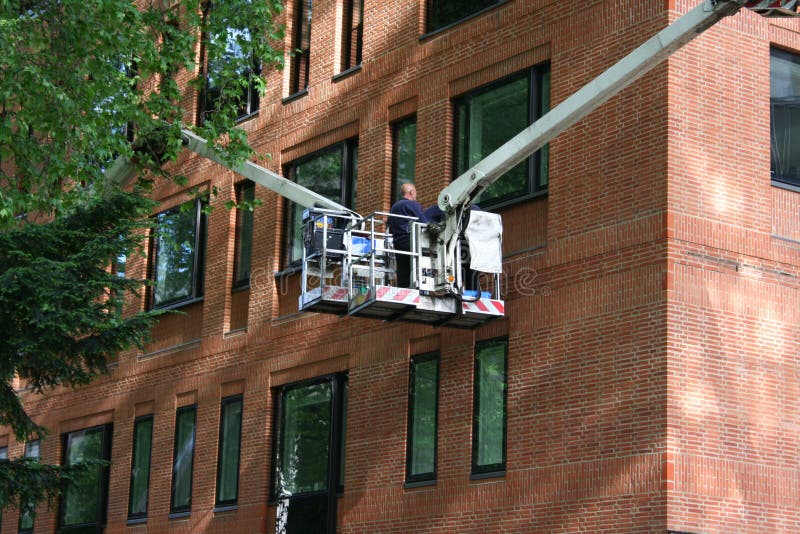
column 485, row 238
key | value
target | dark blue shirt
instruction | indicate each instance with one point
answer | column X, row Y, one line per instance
column 398, row 226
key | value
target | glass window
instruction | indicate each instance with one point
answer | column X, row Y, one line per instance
column 309, row 457
column 244, row 235
column 27, row 511
column 784, row 116
column 222, row 50
column 352, row 33
column 183, row 459
column 301, row 46
column 83, row 504
column 491, row 115
column 140, row 467
column 179, row 243
column 230, row 439
column 423, row 399
column 443, row 13
column 489, row 408
column 404, row 154
column 331, row 173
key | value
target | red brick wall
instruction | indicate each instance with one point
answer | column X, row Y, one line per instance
column 651, row 296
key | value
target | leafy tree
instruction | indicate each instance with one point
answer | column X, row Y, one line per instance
column 83, row 82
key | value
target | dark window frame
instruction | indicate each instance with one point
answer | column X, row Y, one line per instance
column 337, row 438
column 184, row 509
column 350, row 60
column 347, row 190
column 778, row 179
column 396, row 127
column 496, row 469
column 432, row 475
column 102, row 497
column 198, row 268
column 536, row 76
column 251, row 99
column 243, row 218
column 138, row 516
column 301, row 56
column 26, row 511
column 225, row 402
column 430, row 29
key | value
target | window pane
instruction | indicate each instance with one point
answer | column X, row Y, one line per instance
column 183, row 459
column 244, row 235
column 176, row 246
column 444, row 12
column 785, row 116
column 302, row 46
column 83, row 498
column 229, row 446
column 422, row 418
column 27, row 511
column 305, row 439
column 488, row 120
column 490, row 406
column 140, row 467
column 352, row 33
column 404, row 155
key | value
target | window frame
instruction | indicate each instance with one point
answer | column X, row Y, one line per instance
column 140, row 516
column 535, row 187
column 430, row 6
column 102, row 497
column 347, row 190
column 348, row 28
column 496, row 469
column 244, row 218
column 396, row 127
column 183, row 510
column 428, row 477
column 26, row 511
column 785, row 182
column 198, row 263
column 300, row 54
column 230, row 503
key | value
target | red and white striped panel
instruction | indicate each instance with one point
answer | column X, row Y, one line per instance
column 336, row 293
column 399, row 295
column 484, row 307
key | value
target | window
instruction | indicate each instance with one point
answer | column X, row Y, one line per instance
column 223, row 49
column 183, row 460
column 245, row 192
column 179, row 243
column 27, row 511
column 352, row 33
column 309, row 454
column 423, row 401
column 489, row 116
column 301, row 47
column 140, row 467
column 331, row 173
column 443, row 13
column 83, row 504
column 784, row 116
column 404, row 154
column 489, row 408
column 230, row 439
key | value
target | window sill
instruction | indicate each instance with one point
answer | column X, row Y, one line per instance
column 785, row 185
column 244, row 286
column 490, row 474
column 136, row 521
column 247, row 117
column 437, row 31
column 229, row 508
column 295, row 96
column 509, row 202
column 179, row 515
column 176, row 305
column 347, row 73
column 292, row 269
column 420, row 484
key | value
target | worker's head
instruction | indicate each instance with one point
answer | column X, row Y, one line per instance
column 408, row 191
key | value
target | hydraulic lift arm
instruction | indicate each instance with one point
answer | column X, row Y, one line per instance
column 456, row 198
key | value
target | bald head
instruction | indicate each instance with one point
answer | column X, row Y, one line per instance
column 408, row 191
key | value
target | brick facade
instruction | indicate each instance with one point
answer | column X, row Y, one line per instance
column 651, row 297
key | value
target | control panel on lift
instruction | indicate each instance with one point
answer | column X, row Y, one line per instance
column 349, row 267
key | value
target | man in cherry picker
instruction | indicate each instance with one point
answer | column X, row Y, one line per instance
column 407, row 206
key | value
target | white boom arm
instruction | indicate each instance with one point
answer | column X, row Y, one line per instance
column 122, row 170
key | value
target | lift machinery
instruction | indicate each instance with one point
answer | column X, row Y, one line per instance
column 348, row 261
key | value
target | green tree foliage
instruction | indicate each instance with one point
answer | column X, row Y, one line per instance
column 83, row 82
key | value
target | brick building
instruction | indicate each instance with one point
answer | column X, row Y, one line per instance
column 645, row 377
